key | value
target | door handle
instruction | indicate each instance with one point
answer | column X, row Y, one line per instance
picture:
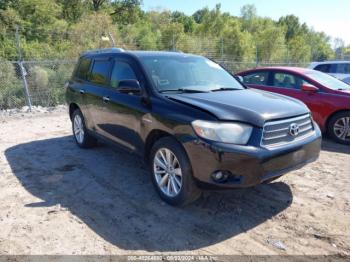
column 82, row 91
column 105, row 99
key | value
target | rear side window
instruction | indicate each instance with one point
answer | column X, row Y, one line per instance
column 325, row 68
column 343, row 68
column 259, row 78
column 121, row 71
column 83, row 68
column 100, row 72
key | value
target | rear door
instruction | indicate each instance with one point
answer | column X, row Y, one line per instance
column 96, row 89
column 78, row 85
column 257, row 79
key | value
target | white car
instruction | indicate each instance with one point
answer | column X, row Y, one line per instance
column 338, row 69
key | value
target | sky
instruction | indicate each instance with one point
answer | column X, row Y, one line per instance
column 331, row 17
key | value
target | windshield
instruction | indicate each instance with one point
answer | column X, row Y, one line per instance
column 327, row 80
column 188, row 73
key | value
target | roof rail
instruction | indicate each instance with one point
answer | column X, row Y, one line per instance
column 103, row 51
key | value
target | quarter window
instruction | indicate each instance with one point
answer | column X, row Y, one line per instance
column 121, row 71
column 100, row 72
column 83, row 68
column 343, row 68
column 259, row 78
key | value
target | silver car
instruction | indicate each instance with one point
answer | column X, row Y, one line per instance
column 338, row 69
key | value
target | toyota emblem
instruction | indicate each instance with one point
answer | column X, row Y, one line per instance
column 294, row 129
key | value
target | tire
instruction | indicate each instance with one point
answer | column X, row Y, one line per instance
column 338, row 128
column 81, row 135
column 188, row 191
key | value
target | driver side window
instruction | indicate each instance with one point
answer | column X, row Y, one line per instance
column 121, row 71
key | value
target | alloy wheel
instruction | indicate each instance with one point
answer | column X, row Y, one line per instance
column 167, row 172
column 78, row 128
column 341, row 128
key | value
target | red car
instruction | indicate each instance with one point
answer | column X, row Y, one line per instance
column 327, row 97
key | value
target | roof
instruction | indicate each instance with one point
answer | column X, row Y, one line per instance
column 331, row 62
column 298, row 70
column 110, row 51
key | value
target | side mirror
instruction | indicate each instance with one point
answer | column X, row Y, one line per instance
column 240, row 78
column 130, row 86
column 309, row 88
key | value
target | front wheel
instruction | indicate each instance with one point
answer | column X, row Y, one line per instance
column 172, row 173
column 339, row 127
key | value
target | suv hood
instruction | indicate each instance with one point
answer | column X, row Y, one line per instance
column 248, row 105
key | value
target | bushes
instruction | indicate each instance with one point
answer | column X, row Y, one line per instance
column 11, row 87
column 46, row 81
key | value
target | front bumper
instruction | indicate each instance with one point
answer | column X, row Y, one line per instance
column 248, row 165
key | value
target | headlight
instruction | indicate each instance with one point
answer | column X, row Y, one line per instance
column 233, row 133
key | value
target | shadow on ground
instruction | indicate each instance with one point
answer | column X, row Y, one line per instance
column 110, row 191
column 329, row 145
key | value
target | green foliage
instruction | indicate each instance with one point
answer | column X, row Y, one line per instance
column 11, row 88
column 126, row 12
column 56, row 29
column 299, row 50
column 271, row 43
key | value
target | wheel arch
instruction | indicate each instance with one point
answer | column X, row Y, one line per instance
column 72, row 108
column 332, row 115
column 151, row 138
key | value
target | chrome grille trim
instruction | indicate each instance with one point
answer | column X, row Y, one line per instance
column 276, row 133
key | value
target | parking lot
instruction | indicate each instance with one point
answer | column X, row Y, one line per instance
column 56, row 198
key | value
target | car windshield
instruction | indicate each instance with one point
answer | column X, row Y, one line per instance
column 188, row 74
column 327, row 80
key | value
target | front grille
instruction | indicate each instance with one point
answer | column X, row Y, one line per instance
column 277, row 133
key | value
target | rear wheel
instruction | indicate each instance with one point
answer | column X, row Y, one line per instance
column 82, row 137
column 172, row 173
column 339, row 127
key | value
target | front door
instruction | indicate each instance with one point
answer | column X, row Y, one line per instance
column 123, row 112
column 290, row 85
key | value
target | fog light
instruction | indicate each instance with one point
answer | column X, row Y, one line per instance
column 220, row 176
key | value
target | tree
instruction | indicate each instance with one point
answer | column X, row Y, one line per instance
column 72, row 10
column 212, row 22
column 339, row 47
column 271, row 43
column 91, row 32
column 321, row 49
column 298, row 50
column 187, row 21
column 248, row 12
column 200, row 14
column 293, row 26
column 236, row 44
column 171, row 34
column 40, row 18
column 126, row 11
column 96, row 4
column 249, row 18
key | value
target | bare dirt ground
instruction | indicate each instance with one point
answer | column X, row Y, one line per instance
column 58, row 199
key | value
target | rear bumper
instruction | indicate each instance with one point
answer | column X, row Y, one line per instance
column 247, row 166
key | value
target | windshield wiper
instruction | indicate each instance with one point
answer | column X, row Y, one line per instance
column 184, row 90
column 225, row 89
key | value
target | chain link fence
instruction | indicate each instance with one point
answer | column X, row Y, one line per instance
column 40, row 83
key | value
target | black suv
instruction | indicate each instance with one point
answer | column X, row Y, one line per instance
column 193, row 122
